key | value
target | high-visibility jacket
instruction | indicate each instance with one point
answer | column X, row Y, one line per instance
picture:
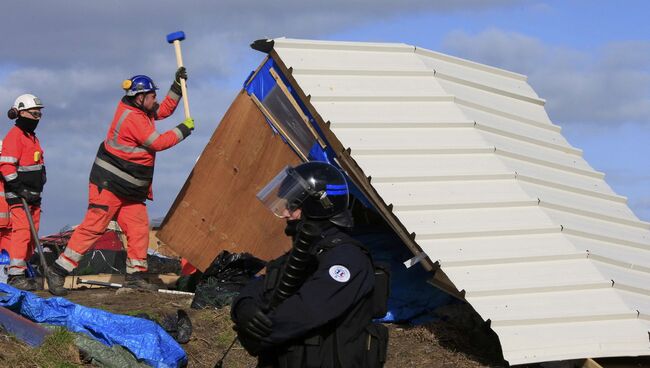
column 125, row 160
column 22, row 164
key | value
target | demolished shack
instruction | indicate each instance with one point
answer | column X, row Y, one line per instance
column 462, row 163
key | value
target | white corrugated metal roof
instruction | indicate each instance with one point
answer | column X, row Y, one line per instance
column 473, row 165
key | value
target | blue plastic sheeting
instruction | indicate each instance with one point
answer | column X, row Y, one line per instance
column 412, row 299
column 144, row 338
column 262, row 83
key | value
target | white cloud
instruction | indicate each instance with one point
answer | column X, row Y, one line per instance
column 609, row 86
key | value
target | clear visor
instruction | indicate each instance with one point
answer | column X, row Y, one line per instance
column 285, row 193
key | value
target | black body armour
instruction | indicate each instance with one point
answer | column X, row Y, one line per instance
column 350, row 340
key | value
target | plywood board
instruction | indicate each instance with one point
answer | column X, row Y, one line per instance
column 217, row 209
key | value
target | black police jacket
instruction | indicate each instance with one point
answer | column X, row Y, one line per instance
column 328, row 321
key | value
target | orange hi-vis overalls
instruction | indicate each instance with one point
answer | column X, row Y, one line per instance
column 22, row 166
column 120, row 182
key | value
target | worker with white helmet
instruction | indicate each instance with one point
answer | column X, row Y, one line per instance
column 23, row 170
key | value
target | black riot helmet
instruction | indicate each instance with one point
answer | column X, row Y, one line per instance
column 318, row 188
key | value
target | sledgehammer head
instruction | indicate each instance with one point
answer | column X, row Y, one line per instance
column 176, row 36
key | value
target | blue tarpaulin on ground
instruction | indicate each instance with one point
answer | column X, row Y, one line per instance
column 145, row 339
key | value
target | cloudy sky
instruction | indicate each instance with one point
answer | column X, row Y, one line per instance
column 590, row 60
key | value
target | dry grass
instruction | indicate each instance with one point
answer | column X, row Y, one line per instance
column 57, row 351
column 434, row 345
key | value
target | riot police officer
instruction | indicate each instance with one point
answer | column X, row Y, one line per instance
column 314, row 306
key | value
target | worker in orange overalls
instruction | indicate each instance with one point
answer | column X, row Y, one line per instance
column 121, row 177
column 23, row 170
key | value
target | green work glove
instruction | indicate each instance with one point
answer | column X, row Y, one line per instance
column 189, row 122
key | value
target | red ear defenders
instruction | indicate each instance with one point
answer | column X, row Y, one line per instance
column 12, row 113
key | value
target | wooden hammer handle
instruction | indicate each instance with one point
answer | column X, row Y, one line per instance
column 179, row 61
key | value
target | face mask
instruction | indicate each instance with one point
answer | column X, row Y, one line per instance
column 27, row 124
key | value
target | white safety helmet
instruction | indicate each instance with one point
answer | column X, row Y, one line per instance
column 27, row 101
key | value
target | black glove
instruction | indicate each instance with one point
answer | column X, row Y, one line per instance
column 252, row 321
column 260, row 326
column 251, row 324
column 13, row 186
column 181, row 73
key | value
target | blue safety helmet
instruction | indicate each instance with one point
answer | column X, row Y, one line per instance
column 138, row 84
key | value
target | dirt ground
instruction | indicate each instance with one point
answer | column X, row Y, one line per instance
column 454, row 343
column 434, row 345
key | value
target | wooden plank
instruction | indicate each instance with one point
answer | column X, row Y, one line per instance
column 217, row 208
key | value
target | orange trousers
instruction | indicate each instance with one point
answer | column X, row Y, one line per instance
column 103, row 207
column 5, row 238
column 21, row 247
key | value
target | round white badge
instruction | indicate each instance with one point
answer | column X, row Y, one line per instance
column 340, row 273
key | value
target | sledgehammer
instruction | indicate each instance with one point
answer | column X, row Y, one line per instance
column 32, row 227
column 176, row 38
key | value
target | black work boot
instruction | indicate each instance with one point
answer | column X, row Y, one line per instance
column 137, row 281
column 55, row 277
column 35, row 284
column 21, row 282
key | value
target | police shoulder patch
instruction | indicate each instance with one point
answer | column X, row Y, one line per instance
column 339, row 273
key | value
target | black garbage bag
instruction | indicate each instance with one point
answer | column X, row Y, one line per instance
column 161, row 264
column 178, row 325
column 225, row 277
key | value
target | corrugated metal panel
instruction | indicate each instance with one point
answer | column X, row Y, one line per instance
column 472, row 164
